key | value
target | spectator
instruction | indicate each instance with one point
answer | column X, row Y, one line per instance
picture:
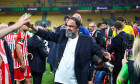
column 130, row 71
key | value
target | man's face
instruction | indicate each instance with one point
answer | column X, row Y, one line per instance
column 135, row 25
column 72, row 29
column 101, row 27
column 112, row 27
column 24, row 28
column 92, row 27
column 104, row 26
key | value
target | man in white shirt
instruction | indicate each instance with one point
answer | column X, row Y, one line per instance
column 74, row 53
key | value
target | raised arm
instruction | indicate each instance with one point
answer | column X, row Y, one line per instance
column 22, row 20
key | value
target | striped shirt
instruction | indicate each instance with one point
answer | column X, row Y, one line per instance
column 5, row 77
column 21, row 40
column 10, row 38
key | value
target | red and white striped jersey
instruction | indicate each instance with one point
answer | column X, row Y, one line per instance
column 5, row 77
column 21, row 40
column 10, row 38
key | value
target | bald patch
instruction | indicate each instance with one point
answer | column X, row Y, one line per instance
column 77, row 15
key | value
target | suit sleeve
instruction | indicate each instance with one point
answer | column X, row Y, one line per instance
column 96, row 49
column 101, row 41
column 50, row 36
column 20, row 39
column 42, row 51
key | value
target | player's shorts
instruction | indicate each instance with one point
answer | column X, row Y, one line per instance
column 18, row 75
column 27, row 72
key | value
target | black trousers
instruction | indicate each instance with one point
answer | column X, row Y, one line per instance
column 116, row 71
column 37, row 77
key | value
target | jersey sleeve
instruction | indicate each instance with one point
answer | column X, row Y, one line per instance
column 19, row 39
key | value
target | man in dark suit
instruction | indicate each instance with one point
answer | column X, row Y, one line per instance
column 107, row 31
column 74, row 53
column 38, row 63
column 95, row 33
column 118, row 49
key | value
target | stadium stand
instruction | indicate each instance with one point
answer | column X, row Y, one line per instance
column 17, row 3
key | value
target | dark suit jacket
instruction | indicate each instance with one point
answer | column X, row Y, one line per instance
column 58, row 28
column 117, row 48
column 99, row 39
column 85, row 49
column 52, row 53
column 103, row 31
column 37, row 48
column 9, row 58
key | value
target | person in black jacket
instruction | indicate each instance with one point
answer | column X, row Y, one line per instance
column 74, row 53
column 118, row 49
column 107, row 31
column 95, row 33
column 38, row 63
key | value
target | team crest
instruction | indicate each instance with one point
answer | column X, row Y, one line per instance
column 21, row 40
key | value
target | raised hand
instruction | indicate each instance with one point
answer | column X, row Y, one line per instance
column 106, row 55
column 30, row 55
column 22, row 20
column 124, row 60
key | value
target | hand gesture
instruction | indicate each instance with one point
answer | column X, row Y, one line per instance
column 124, row 60
column 23, row 67
column 22, row 20
column 30, row 55
column 106, row 55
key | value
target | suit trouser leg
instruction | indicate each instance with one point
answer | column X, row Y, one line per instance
column 37, row 77
column 115, row 74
